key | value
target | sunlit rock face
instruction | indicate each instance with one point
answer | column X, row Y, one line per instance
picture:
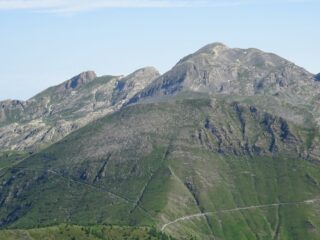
column 59, row 110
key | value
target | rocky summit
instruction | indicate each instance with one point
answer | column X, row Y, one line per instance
column 217, row 69
column 59, row 110
column 225, row 145
column 79, row 80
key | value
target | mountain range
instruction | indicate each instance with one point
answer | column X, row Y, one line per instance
column 225, row 145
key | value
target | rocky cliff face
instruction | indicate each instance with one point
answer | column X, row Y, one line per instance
column 59, row 110
column 80, row 80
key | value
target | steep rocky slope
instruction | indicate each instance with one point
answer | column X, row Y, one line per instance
column 265, row 77
column 216, row 68
column 59, row 110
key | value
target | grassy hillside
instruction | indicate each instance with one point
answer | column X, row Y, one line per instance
column 73, row 232
column 10, row 158
column 245, row 173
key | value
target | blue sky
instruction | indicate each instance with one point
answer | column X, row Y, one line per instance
column 44, row 42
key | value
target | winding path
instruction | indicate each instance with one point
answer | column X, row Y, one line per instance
column 188, row 217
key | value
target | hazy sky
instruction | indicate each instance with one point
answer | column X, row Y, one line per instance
column 44, row 42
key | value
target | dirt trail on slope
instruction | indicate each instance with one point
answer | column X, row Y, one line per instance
column 188, row 217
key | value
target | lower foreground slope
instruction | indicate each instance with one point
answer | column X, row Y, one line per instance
column 73, row 232
column 209, row 168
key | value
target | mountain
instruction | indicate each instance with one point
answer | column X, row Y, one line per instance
column 217, row 69
column 242, row 74
column 154, row 163
column 226, row 145
column 57, row 111
column 317, row 77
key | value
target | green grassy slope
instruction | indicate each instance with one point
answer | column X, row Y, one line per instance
column 10, row 158
column 73, row 232
column 150, row 164
column 238, row 182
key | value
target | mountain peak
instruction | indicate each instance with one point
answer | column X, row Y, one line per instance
column 218, row 69
column 80, row 79
column 146, row 70
column 137, row 80
column 213, row 48
column 142, row 76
